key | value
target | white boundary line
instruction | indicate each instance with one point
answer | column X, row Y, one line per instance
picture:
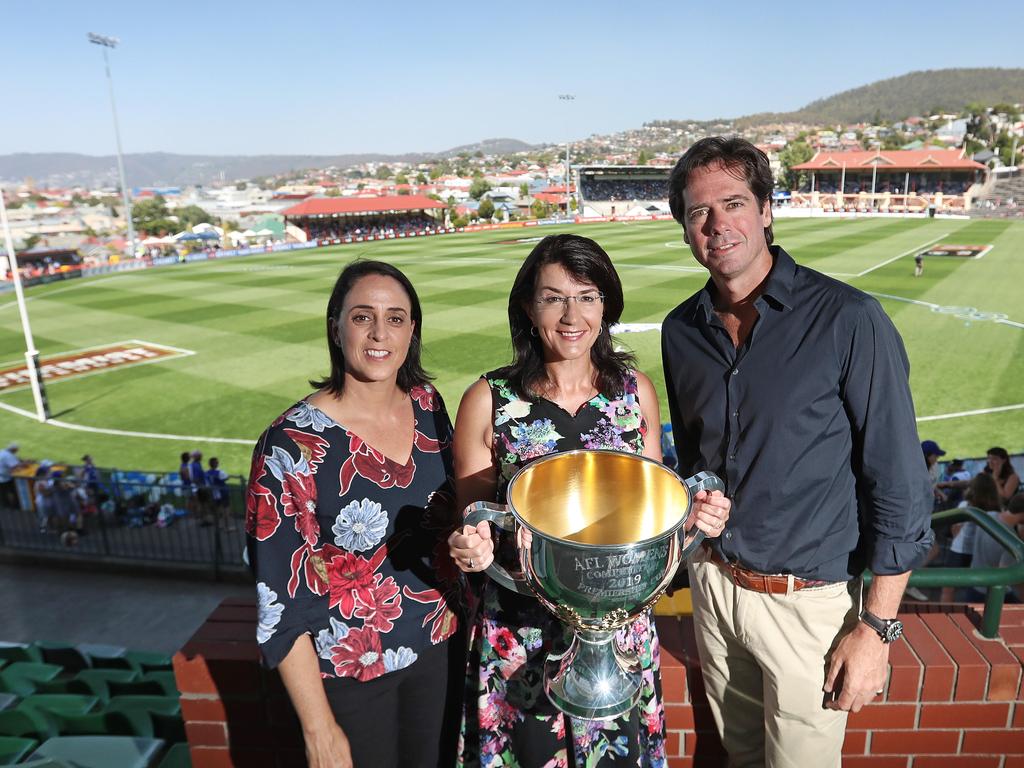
column 978, row 412
column 125, row 433
column 900, row 256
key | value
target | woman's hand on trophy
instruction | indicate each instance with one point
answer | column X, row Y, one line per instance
column 711, row 512
column 471, row 547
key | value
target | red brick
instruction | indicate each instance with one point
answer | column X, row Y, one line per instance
column 673, row 743
column 1004, row 677
column 972, row 669
column 1010, row 761
column 191, row 674
column 964, row 715
column 207, row 734
column 887, row 716
column 939, row 671
column 210, row 757
column 1018, row 715
column 1012, row 635
column 993, row 743
column 955, row 761
column 905, row 674
column 209, row 707
column 215, row 649
column 873, row 761
column 914, row 742
column 855, row 743
column 679, row 717
column 673, row 685
column 1012, row 616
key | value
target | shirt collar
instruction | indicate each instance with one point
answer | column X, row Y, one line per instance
column 778, row 288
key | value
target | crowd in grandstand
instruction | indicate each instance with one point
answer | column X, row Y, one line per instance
column 368, row 226
column 624, row 189
column 923, row 185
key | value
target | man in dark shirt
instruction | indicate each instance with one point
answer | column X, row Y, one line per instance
column 793, row 388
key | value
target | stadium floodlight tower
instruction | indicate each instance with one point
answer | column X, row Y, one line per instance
column 568, row 170
column 111, row 42
column 35, row 377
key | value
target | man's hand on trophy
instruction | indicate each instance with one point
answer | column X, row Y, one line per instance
column 472, row 548
column 711, row 512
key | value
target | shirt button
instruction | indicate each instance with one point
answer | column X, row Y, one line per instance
column 728, row 534
column 732, row 457
column 735, row 371
column 735, row 414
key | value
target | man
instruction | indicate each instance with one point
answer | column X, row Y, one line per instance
column 217, row 480
column 932, row 454
column 200, row 491
column 9, row 462
column 792, row 387
column 954, row 481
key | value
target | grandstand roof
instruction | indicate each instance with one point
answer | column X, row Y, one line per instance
column 893, row 160
column 344, row 206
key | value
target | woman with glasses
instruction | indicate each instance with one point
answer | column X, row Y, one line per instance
column 566, row 388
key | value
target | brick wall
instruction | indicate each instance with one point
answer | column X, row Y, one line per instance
column 953, row 698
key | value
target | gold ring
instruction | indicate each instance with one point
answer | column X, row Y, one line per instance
column 471, row 562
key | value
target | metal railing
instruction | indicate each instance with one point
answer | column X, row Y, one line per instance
column 137, row 517
column 995, row 580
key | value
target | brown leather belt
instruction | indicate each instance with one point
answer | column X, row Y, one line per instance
column 767, row 583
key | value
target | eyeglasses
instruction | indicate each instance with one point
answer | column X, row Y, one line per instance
column 584, row 300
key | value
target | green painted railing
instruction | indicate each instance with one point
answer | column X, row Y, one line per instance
column 996, row 580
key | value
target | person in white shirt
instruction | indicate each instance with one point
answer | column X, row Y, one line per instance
column 9, row 462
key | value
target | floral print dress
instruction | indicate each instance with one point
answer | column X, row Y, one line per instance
column 509, row 721
column 349, row 546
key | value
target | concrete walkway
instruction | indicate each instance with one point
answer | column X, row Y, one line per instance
column 143, row 613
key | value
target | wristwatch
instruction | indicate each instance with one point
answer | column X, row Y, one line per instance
column 888, row 629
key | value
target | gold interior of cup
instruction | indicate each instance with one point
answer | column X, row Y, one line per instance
column 599, row 498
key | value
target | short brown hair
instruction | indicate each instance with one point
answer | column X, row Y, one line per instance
column 736, row 155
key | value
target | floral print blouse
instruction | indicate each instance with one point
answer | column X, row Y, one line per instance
column 349, row 546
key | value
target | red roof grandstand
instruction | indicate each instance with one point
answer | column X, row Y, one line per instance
column 895, row 160
column 344, row 206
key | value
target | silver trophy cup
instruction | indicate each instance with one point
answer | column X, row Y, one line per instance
column 608, row 532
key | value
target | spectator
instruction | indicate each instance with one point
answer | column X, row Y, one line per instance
column 954, row 481
column 932, row 452
column 217, row 480
column 44, row 495
column 64, row 505
column 200, row 490
column 1002, row 471
column 981, row 494
column 184, row 473
column 9, row 462
column 90, row 476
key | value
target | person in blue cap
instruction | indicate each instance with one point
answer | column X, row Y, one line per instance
column 932, row 452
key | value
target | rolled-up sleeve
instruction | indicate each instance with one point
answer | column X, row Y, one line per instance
column 278, row 553
column 893, row 486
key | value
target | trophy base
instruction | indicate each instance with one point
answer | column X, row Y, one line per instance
column 592, row 680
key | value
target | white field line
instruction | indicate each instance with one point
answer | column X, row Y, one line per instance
column 84, row 282
column 900, row 256
column 978, row 412
column 993, row 318
column 126, row 433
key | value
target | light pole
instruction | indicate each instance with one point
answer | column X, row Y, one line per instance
column 111, row 42
column 31, row 353
column 568, row 170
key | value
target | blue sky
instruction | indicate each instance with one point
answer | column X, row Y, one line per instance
column 334, row 77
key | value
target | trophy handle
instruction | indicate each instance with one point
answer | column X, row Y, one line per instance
column 501, row 517
column 702, row 481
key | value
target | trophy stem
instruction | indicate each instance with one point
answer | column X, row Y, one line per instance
column 592, row 679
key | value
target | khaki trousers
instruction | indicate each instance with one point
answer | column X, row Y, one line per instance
column 764, row 659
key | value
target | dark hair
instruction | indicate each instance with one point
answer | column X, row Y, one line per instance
column 411, row 373
column 738, row 156
column 982, row 493
column 1001, row 453
column 185, row 456
column 587, row 262
column 1015, row 506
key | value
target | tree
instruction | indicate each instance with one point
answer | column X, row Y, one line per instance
column 401, row 178
column 459, row 221
column 30, row 242
column 436, row 172
column 333, row 192
column 383, row 173
column 794, row 153
column 479, row 188
column 190, row 215
column 404, row 191
column 539, row 209
column 486, row 209
column 524, row 190
column 420, row 178
column 642, row 158
column 152, row 217
column 241, row 186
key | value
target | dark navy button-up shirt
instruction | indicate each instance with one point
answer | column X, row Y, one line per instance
column 810, row 423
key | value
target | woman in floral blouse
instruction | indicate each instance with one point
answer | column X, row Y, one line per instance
column 349, row 501
column 566, row 388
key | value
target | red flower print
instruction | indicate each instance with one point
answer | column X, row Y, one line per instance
column 312, row 447
column 298, row 500
column 261, row 515
column 374, row 466
column 444, row 620
column 318, row 562
column 426, row 397
column 424, row 443
column 359, row 655
column 503, row 641
column 384, row 606
column 351, row 576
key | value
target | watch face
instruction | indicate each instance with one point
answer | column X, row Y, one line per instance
column 894, row 631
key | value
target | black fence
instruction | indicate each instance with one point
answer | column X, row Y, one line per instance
column 132, row 516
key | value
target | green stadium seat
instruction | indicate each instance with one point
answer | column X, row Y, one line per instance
column 165, row 705
column 136, row 688
column 28, row 723
column 23, row 677
column 7, row 700
column 14, row 749
column 102, row 751
column 19, row 652
column 105, row 724
column 60, row 703
column 165, row 679
column 97, row 681
column 107, row 656
column 149, row 662
column 67, row 656
column 45, row 762
column 177, row 756
column 68, row 685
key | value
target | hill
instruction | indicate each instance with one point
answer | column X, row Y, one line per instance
column 147, row 169
column 917, row 93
